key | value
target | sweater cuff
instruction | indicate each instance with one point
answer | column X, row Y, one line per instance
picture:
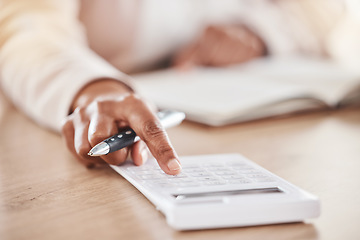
column 88, row 69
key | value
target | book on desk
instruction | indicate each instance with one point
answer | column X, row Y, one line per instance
column 258, row 89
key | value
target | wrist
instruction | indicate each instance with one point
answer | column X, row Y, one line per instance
column 99, row 88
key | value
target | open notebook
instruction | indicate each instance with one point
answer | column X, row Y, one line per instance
column 259, row 89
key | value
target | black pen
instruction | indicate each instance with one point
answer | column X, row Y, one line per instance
column 168, row 118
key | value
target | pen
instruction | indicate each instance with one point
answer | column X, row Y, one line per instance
column 168, row 118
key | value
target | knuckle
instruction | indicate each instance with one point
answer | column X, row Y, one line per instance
column 79, row 114
column 212, row 29
column 100, row 106
column 153, row 129
column 133, row 98
column 96, row 106
column 165, row 150
column 79, row 111
column 67, row 126
column 101, row 127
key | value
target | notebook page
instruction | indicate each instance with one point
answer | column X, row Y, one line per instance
column 212, row 93
column 323, row 79
column 261, row 88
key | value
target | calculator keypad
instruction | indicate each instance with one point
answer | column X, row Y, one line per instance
column 209, row 174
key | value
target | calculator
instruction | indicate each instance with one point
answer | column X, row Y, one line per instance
column 220, row 191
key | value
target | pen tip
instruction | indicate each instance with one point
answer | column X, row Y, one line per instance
column 90, row 153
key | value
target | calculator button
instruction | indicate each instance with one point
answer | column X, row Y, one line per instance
column 218, row 169
column 210, row 178
column 257, row 176
column 143, row 172
column 194, row 170
column 200, row 174
column 212, row 165
column 165, row 185
column 235, row 176
column 242, row 168
column 187, row 185
column 183, row 180
column 174, row 180
column 214, row 183
column 181, row 175
column 236, row 164
column 249, row 171
column 141, row 169
column 264, row 180
column 239, row 181
column 158, row 181
column 150, row 176
column 224, row 173
column 188, row 166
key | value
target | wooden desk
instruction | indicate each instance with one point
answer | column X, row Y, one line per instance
column 46, row 194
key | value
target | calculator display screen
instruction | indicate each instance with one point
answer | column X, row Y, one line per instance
column 227, row 193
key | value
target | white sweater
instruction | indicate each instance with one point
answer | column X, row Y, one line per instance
column 50, row 49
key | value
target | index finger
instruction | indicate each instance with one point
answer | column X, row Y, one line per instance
column 148, row 127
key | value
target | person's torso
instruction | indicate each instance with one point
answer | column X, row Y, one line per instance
column 136, row 35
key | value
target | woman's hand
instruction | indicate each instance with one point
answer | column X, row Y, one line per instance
column 100, row 110
column 220, row 46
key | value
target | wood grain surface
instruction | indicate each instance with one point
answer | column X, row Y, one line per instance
column 46, row 194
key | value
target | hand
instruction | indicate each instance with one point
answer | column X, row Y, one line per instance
column 219, row 46
column 100, row 110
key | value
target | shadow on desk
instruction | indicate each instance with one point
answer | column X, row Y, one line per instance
column 279, row 232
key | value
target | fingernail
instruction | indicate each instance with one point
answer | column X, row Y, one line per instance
column 174, row 165
column 144, row 156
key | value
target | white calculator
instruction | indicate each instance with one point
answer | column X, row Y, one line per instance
column 218, row 191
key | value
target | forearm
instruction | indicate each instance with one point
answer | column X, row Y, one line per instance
column 45, row 60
